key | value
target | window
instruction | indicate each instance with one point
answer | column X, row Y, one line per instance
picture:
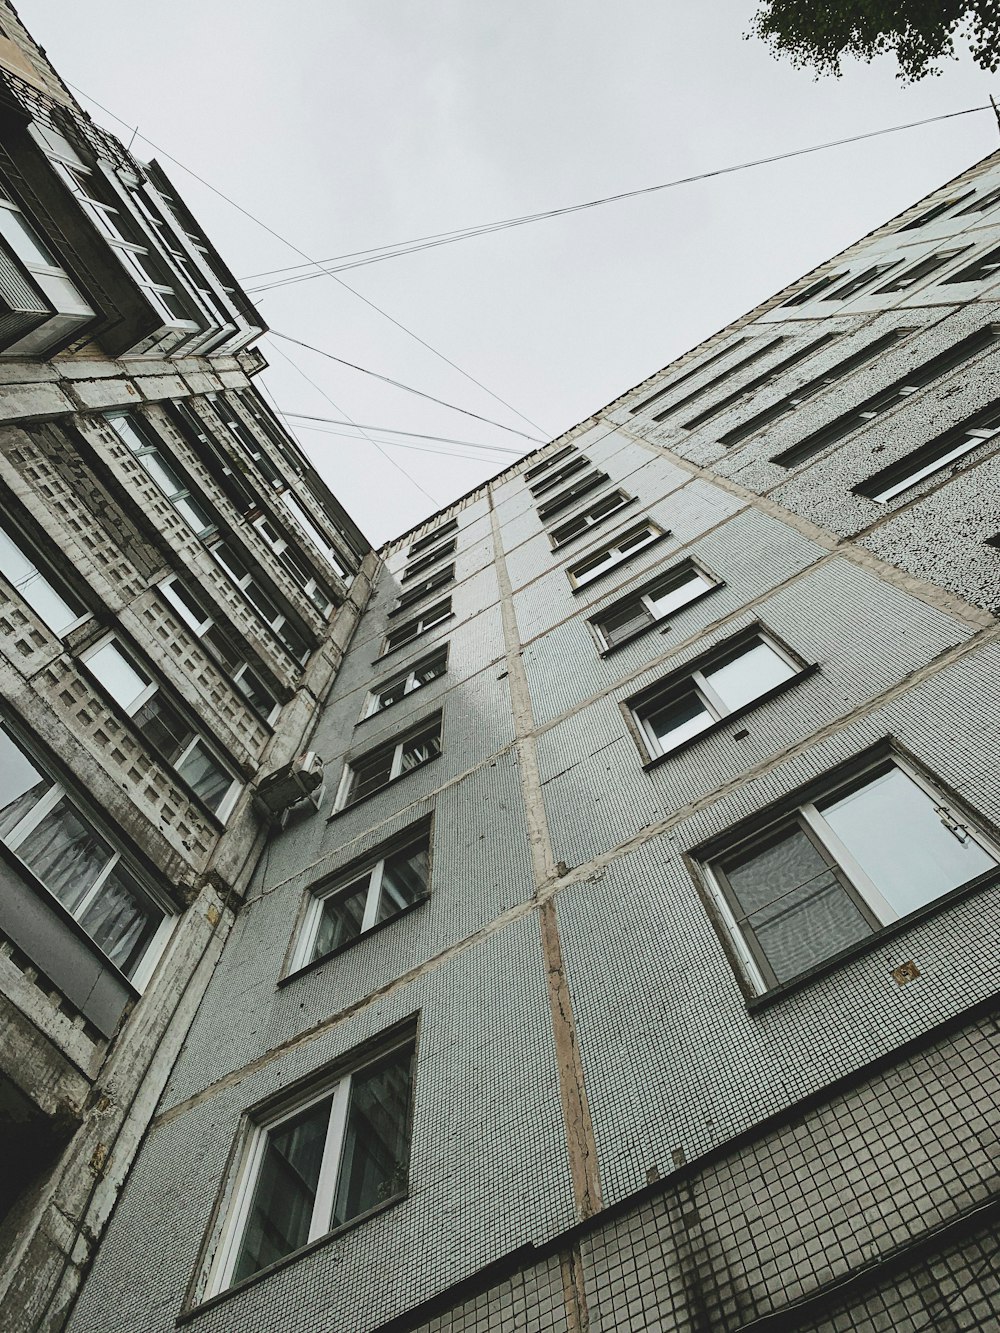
column 429, row 538
column 568, row 469
column 81, row 868
column 794, row 400
column 979, row 270
column 589, row 517
column 768, row 377
column 427, row 561
column 424, row 589
column 294, row 565
column 66, row 311
column 56, row 608
column 325, row 548
column 814, row 288
column 263, row 598
column 225, row 471
column 681, row 379
column 922, row 219
column 723, row 375
column 162, row 726
column 615, row 553
column 886, row 484
column 419, row 674
column 411, row 629
column 335, row 1152
column 671, row 714
column 557, row 457
column 134, row 432
column 912, row 275
column 248, row 443
column 888, row 398
column 220, row 648
column 981, row 204
column 860, row 856
column 371, row 772
column 859, row 281
column 571, row 494
column 341, row 910
column 653, row 604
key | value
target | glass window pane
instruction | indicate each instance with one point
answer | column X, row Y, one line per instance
column 21, row 784
column 677, row 721
column 193, row 515
column 891, row 829
column 205, row 775
column 260, row 699
column 621, row 621
column 796, row 906
column 24, row 240
column 121, row 921
column 391, row 695
column 370, row 773
column 343, row 913
column 419, row 750
column 65, row 853
column 162, row 727
column 36, row 590
column 404, row 880
column 750, row 675
column 283, row 1199
column 429, row 671
column 162, row 473
column 670, row 595
column 374, row 1161
column 118, row 676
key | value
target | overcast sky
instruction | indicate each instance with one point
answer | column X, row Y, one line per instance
column 347, row 125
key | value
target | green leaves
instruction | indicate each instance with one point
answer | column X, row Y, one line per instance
column 920, row 33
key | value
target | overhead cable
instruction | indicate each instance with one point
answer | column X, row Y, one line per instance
column 360, row 258
column 316, row 263
column 400, row 444
column 415, row 434
column 398, row 384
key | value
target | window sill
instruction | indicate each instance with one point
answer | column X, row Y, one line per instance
column 211, row 1302
column 429, row 630
column 315, row 963
column 346, row 809
column 757, row 1003
column 430, row 592
column 730, row 718
column 558, row 546
column 370, row 717
column 578, row 589
column 663, row 621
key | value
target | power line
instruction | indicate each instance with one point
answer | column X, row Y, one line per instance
column 417, row 435
column 317, row 263
column 360, row 258
column 400, row 444
column 398, row 384
column 388, row 457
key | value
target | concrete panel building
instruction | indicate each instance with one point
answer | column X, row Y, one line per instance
column 635, row 966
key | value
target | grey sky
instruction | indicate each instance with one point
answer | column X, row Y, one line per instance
column 348, row 125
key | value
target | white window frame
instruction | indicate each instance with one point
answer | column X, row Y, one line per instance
column 586, row 519
column 223, row 1265
column 676, row 576
column 615, row 555
column 429, row 538
column 242, row 582
column 61, row 323
column 428, row 561
column 422, row 623
column 153, row 446
column 200, row 628
column 568, row 469
column 412, row 735
column 412, row 595
column 305, row 942
column 985, row 268
column 969, row 440
column 839, row 856
column 293, row 565
column 225, row 806
column 695, row 682
column 407, row 678
column 14, row 537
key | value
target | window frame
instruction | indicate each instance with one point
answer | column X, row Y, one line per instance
column 690, row 679
column 643, row 592
column 372, row 863
column 369, row 710
column 688, row 375
column 428, row 561
column 750, row 359
column 60, row 325
column 427, row 728
column 388, row 646
column 922, row 268
column 935, row 211
column 800, row 810
column 415, row 594
column 576, row 491
column 259, row 1122
column 569, row 468
column 656, row 534
column 428, row 539
column 988, row 260
column 557, row 542
column 539, row 468
column 951, row 446
column 129, row 710
column 769, row 376
column 41, row 569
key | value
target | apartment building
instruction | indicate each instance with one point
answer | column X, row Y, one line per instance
column 176, row 585
column 635, row 968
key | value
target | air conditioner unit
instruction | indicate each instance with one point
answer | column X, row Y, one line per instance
column 298, row 780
